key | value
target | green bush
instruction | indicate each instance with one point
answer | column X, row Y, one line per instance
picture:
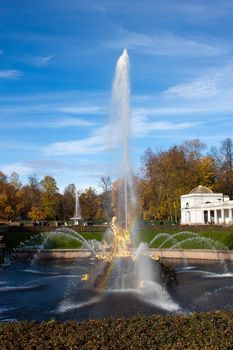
column 212, row 330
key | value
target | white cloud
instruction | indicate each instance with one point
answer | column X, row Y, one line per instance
column 200, row 88
column 93, row 144
column 210, row 84
column 142, row 126
column 172, row 110
column 59, row 123
column 67, row 122
column 82, row 109
column 18, row 145
column 41, row 61
column 10, row 74
column 103, row 139
column 19, row 168
column 168, row 44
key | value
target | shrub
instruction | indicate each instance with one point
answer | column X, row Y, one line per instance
column 212, row 330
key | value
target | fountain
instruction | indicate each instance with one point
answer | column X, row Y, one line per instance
column 77, row 218
column 117, row 278
column 129, row 269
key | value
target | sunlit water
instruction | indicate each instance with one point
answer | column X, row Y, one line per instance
column 55, row 290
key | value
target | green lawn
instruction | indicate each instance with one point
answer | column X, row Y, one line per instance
column 221, row 235
column 70, row 243
column 218, row 237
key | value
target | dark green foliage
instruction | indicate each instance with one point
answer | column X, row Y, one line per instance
column 212, row 330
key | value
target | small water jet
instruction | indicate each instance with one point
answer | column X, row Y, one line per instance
column 77, row 218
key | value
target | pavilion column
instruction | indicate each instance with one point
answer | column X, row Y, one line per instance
column 215, row 216
column 230, row 215
column 222, row 215
column 209, row 217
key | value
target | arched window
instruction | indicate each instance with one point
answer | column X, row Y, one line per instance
column 187, row 205
column 207, row 202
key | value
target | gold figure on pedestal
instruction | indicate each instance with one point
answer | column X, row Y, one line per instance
column 122, row 241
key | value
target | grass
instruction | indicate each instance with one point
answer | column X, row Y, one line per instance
column 62, row 242
column 223, row 235
column 211, row 330
column 70, row 243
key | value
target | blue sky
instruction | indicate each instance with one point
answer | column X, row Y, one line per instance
column 57, row 64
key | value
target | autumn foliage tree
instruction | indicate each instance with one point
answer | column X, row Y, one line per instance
column 88, row 203
column 164, row 176
column 49, row 198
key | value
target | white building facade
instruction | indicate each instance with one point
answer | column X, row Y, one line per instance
column 202, row 206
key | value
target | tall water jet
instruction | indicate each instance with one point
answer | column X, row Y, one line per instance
column 121, row 119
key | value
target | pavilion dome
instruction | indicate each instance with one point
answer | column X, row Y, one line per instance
column 201, row 189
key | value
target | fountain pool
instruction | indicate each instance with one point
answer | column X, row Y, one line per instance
column 54, row 289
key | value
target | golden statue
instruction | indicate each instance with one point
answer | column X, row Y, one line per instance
column 122, row 240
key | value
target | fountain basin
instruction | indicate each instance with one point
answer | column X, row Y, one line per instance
column 187, row 254
column 54, row 289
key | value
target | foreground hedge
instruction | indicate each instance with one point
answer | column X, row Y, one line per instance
column 213, row 330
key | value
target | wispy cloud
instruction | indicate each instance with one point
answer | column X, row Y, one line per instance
column 197, row 11
column 10, row 74
column 93, row 144
column 168, row 44
column 18, row 146
column 200, row 88
column 142, row 126
column 101, row 140
column 59, row 123
column 40, row 61
column 17, row 167
column 210, row 84
column 82, row 109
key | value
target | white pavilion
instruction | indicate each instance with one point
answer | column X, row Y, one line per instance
column 202, row 206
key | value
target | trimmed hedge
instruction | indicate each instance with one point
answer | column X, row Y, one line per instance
column 212, row 330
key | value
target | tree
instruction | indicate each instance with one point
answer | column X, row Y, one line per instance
column 49, row 198
column 69, row 201
column 193, row 149
column 224, row 162
column 88, row 202
column 14, row 181
column 165, row 176
column 207, row 172
column 3, row 195
column 105, row 199
column 31, row 196
column 36, row 214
